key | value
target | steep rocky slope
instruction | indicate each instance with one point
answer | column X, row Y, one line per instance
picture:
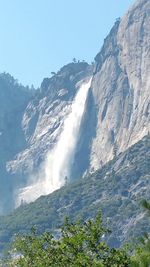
column 116, row 189
column 30, row 123
column 117, row 112
column 121, row 85
column 43, row 121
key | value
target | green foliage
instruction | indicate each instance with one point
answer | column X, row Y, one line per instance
column 116, row 189
column 142, row 252
column 79, row 245
column 146, row 205
column 142, row 255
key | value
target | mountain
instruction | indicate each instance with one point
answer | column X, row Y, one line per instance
column 31, row 123
column 116, row 116
column 121, row 85
column 13, row 100
column 116, row 189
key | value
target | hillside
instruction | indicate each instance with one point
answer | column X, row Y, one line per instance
column 14, row 99
column 117, row 112
column 116, row 189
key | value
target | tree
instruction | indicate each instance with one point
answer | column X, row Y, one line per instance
column 142, row 254
column 74, row 60
column 53, row 73
column 118, row 20
column 66, row 180
column 115, row 149
column 80, row 245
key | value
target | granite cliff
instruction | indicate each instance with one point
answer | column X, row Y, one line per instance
column 117, row 111
column 121, row 85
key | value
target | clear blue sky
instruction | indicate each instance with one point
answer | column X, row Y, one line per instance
column 40, row 36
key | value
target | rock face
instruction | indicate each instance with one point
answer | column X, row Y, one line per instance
column 35, row 125
column 117, row 112
column 121, row 85
column 44, row 116
column 116, row 189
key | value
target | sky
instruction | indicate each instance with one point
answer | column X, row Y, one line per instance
column 40, row 36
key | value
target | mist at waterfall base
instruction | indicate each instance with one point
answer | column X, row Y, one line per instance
column 57, row 165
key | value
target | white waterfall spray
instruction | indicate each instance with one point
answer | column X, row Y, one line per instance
column 59, row 160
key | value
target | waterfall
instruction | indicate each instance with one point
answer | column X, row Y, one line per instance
column 58, row 162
